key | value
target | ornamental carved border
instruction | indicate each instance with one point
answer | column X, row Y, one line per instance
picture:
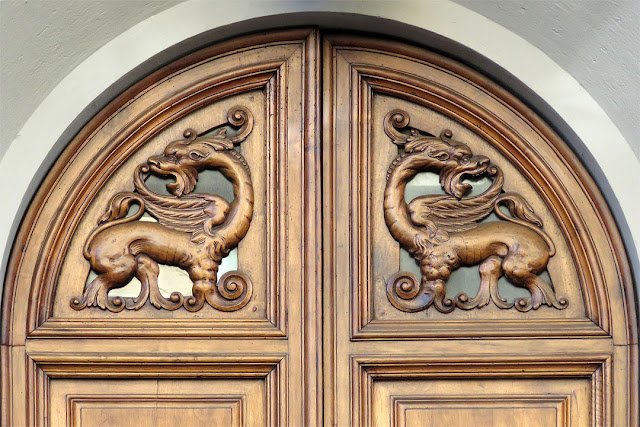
column 193, row 231
column 443, row 232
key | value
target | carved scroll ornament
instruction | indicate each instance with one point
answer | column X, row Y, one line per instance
column 193, row 231
column 442, row 232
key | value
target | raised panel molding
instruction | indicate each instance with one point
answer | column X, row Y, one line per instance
column 573, row 391
column 238, row 382
column 312, row 333
column 150, row 410
column 493, row 410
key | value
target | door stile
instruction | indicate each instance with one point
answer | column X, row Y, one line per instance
column 329, row 233
column 312, row 235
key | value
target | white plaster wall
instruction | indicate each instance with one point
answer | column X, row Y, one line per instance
column 41, row 41
column 596, row 41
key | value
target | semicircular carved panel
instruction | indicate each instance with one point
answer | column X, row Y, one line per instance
column 443, row 232
column 166, row 216
column 193, row 231
column 468, row 215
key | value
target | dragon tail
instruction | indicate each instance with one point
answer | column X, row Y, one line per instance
column 523, row 214
column 116, row 214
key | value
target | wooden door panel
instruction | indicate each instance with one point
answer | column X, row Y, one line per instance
column 444, row 391
column 231, row 402
column 504, row 403
column 210, row 160
column 436, row 257
column 432, row 315
column 494, row 411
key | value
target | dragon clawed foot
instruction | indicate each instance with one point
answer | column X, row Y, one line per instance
column 97, row 295
column 541, row 294
column 490, row 271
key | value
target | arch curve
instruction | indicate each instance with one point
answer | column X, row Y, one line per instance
column 628, row 338
column 442, row 26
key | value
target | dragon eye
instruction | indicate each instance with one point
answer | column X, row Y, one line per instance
column 195, row 156
column 442, row 156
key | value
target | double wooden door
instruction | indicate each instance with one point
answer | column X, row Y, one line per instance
column 295, row 228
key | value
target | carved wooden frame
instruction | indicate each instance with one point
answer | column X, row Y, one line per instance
column 269, row 369
column 367, row 79
column 366, row 370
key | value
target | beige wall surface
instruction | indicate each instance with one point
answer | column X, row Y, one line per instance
column 596, row 41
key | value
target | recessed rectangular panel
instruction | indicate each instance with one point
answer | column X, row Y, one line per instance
column 494, row 412
column 207, row 402
column 481, row 402
column 152, row 411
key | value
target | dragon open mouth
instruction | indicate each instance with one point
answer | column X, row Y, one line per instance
column 451, row 177
column 186, row 176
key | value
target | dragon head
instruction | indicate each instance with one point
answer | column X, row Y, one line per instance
column 460, row 166
column 452, row 159
column 185, row 158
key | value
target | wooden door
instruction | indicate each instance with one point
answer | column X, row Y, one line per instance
column 466, row 255
column 217, row 323
column 295, row 228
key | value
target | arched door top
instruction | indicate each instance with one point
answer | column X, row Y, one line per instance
column 374, row 205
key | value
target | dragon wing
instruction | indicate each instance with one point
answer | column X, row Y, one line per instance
column 448, row 213
column 442, row 214
column 188, row 213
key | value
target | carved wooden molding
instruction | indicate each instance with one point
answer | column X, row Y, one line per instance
column 565, row 371
column 194, row 231
column 443, row 233
column 266, row 371
column 318, row 251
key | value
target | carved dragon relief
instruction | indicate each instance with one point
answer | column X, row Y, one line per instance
column 193, row 231
column 443, row 233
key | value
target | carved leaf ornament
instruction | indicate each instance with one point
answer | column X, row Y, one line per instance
column 193, row 231
column 443, row 232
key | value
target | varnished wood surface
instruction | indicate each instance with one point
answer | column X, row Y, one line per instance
column 319, row 341
column 371, row 344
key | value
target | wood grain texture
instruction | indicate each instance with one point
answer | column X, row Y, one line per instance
column 318, row 341
column 47, row 343
column 366, row 79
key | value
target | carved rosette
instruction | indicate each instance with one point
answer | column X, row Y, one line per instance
column 444, row 232
column 193, row 231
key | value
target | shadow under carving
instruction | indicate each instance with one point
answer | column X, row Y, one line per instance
column 443, row 233
column 194, row 231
